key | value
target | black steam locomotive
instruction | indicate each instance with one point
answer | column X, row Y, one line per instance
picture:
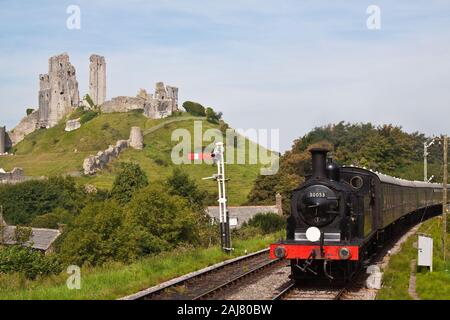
column 340, row 216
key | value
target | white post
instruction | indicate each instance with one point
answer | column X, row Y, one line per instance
column 221, row 183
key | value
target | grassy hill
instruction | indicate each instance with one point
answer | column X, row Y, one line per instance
column 53, row 151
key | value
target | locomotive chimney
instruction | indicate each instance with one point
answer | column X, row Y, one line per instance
column 319, row 162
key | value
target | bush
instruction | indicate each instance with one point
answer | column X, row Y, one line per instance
column 181, row 185
column 130, row 179
column 267, row 222
column 152, row 222
column 27, row 261
column 29, row 111
column 52, row 220
column 161, row 162
column 89, row 101
column 24, row 201
column 93, row 236
column 105, row 126
column 194, row 108
column 212, row 116
column 88, row 116
column 157, row 221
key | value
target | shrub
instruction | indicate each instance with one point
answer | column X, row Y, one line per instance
column 24, row 201
column 93, row 235
column 212, row 116
column 181, row 185
column 27, row 261
column 157, row 221
column 53, row 219
column 29, row 111
column 88, row 116
column 152, row 222
column 130, row 179
column 194, row 108
column 161, row 162
column 267, row 222
column 89, row 101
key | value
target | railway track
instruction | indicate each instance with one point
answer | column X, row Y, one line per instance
column 295, row 292
column 208, row 282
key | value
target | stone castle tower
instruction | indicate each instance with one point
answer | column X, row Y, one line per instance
column 58, row 91
column 2, row 139
column 97, row 79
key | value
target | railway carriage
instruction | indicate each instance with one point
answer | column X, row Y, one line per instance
column 340, row 216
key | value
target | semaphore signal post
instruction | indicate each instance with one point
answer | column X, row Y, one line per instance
column 218, row 157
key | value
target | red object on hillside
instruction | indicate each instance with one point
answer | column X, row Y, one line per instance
column 199, row 156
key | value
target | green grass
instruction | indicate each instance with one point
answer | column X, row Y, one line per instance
column 433, row 286
column 116, row 280
column 53, row 151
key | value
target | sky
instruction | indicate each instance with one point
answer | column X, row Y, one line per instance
column 289, row 65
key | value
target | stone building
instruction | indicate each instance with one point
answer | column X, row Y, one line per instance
column 58, row 91
column 2, row 140
column 243, row 214
column 160, row 105
column 97, row 79
column 40, row 239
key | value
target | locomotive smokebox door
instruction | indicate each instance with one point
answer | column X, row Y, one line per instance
column 425, row 251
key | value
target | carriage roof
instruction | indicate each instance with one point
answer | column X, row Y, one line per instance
column 397, row 181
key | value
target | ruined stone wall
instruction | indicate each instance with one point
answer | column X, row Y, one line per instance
column 44, row 99
column 58, row 93
column 26, row 126
column 158, row 109
column 92, row 164
column 157, row 106
column 2, row 140
column 123, row 104
column 97, row 79
column 172, row 93
column 16, row 175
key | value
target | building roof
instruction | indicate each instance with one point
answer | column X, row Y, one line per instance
column 243, row 213
column 40, row 239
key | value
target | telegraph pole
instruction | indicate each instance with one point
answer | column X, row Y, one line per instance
column 444, row 200
column 426, row 145
column 425, row 163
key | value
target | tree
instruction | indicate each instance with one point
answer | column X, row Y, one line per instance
column 24, row 201
column 23, row 260
column 157, row 221
column 53, row 219
column 130, row 179
column 194, row 108
column 93, row 236
column 180, row 184
column 212, row 116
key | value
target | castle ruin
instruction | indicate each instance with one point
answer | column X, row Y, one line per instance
column 2, row 140
column 160, row 105
column 97, row 79
column 58, row 91
column 59, row 95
